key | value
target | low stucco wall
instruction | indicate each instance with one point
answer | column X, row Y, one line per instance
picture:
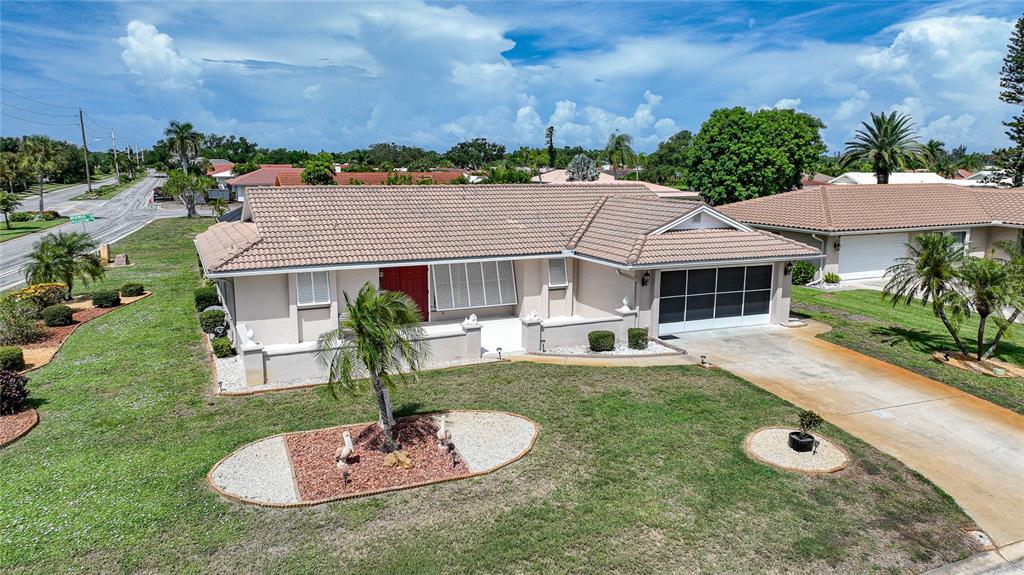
column 574, row 332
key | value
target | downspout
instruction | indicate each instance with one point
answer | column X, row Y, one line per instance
column 636, row 290
column 824, row 245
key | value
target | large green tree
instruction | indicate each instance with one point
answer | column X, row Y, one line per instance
column 184, row 141
column 475, row 154
column 378, row 337
column 889, row 143
column 319, row 170
column 187, row 188
column 64, row 257
column 738, row 155
column 1011, row 159
column 667, row 164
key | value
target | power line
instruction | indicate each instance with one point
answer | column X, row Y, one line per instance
column 35, row 122
column 9, row 105
column 94, row 122
column 38, row 101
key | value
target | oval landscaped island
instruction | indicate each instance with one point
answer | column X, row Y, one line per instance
column 301, row 468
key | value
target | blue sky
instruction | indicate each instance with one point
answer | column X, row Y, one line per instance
column 342, row 75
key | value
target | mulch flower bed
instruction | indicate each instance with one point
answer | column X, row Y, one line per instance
column 318, row 477
column 14, row 426
column 992, row 367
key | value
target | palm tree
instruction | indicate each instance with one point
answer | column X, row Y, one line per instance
column 378, row 336
column 8, row 203
column 184, row 140
column 1015, row 267
column 928, row 273
column 38, row 155
column 619, row 149
column 934, row 152
column 63, row 257
column 888, row 143
column 986, row 287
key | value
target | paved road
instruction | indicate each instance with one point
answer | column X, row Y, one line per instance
column 972, row 449
column 115, row 218
column 53, row 200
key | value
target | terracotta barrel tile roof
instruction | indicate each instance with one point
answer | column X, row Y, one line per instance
column 879, row 207
column 289, row 178
column 348, row 225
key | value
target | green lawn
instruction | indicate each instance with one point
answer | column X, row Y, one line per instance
column 635, row 469
column 907, row 335
column 105, row 192
column 19, row 229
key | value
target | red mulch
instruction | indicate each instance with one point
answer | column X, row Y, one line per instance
column 55, row 336
column 15, row 425
column 317, row 475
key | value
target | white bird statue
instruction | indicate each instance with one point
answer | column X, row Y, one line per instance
column 344, row 452
column 444, row 435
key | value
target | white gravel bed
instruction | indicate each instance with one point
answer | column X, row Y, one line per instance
column 259, row 472
column 621, row 348
column 772, row 446
column 230, row 373
column 486, row 440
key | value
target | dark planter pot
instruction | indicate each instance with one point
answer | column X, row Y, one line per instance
column 800, row 441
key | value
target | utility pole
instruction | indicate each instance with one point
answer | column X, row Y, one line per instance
column 85, row 146
column 113, row 146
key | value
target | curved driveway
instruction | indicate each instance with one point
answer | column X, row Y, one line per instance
column 972, row 449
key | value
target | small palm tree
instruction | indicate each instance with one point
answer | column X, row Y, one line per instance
column 889, row 143
column 379, row 335
column 39, row 155
column 8, row 203
column 63, row 257
column 184, row 140
column 928, row 273
column 1015, row 267
column 986, row 287
column 619, row 149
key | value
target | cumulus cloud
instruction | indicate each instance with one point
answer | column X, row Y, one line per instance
column 787, row 104
column 151, row 55
column 312, row 92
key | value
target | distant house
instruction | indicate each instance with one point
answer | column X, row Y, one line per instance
column 868, row 178
column 815, row 180
column 265, row 176
column 962, row 174
column 294, row 178
column 562, row 177
column 221, row 171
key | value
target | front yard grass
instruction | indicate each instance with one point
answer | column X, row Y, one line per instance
column 635, row 469
column 19, row 229
column 907, row 335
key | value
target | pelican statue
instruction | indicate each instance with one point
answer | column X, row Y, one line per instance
column 344, row 452
column 444, row 435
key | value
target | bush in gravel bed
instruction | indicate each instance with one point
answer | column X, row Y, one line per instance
column 637, row 337
column 803, row 273
column 13, row 392
column 210, row 320
column 222, row 347
column 106, row 298
column 832, row 278
column 57, row 315
column 601, row 340
column 132, row 290
column 205, row 297
column 12, row 358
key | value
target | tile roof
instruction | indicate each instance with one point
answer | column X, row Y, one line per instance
column 348, row 225
column 217, row 166
column 290, row 178
column 265, row 176
column 880, row 207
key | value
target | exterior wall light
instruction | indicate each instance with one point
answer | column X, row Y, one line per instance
column 646, row 279
column 836, row 244
column 787, row 268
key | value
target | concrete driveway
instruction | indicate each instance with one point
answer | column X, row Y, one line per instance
column 972, row 449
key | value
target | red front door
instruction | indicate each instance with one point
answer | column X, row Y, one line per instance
column 409, row 279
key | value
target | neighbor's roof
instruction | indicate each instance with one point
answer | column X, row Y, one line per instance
column 265, row 176
column 869, row 178
column 349, row 225
column 880, row 207
column 294, row 178
column 218, row 166
column 561, row 177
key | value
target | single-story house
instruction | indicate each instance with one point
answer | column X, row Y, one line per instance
column 493, row 268
column 265, row 176
column 864, row 229
column 294, row 177
column 560, row 176
column 869, row 178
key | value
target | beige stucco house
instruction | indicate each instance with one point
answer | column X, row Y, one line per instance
column 863, row 230
column 515, row 268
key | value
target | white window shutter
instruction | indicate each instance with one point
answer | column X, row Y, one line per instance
column 321, row 287
column 304, row 288
column 557, row 274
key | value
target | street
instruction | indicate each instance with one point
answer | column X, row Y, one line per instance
column 115, row 218
column 54, row 200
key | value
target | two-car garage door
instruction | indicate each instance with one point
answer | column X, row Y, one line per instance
column 868, row 256
column 692, row 300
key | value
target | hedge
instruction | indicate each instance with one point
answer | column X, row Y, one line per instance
column 12, row 358
column 205, row 297
column 132, row 289
column 637, row 337
column 106, row 298
column 210, row 320
column 803, row 273
column 601, row 340
column 58, row 315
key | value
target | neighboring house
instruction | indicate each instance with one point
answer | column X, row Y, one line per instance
column 864, row 229
column 962, row 174
column 294, row 178
column 515, row 267
column 265, row 176
column 868, row 178
column 561, row 177
column 809, row 180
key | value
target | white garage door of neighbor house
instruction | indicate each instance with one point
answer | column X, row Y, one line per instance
column 868, row 256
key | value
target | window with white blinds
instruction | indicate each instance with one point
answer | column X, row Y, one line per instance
column 557, row 274
column 476, row 284
column 312, row 288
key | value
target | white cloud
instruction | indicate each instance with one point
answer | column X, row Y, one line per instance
column 151, row 55
column 312, row 92
column 787, row 104
column 848, row 108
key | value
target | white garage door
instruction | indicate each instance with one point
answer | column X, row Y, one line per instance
column 868, row 256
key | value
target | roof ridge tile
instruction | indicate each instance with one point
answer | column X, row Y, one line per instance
column 585, row 225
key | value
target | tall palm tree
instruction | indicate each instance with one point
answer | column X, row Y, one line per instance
column 8, row 203
column 379, row 335
column 38, row 155
column 928, row 273
column 619, row 149
column 934, row 152
column 888, row 143
column 63, row 257
column 985, row 287
column 184, row 140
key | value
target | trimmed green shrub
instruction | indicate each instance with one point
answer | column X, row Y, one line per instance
column 802, row 274
column 210, row 320
column 21, row 217
column 222, row 347
column 58, row 315
column 42, row 295
column 205, row 297
column 132, row 290
column 637, row 337
column 832, row 278
column 601, row 340
column 12, row 358
column 18, row 323
column 106, row 298
column 13, row 392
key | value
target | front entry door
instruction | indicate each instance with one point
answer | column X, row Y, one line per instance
column 409, row 279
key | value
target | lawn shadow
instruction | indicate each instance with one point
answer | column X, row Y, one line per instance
column 920, row 340
column 36, row 402
column 408, row 408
